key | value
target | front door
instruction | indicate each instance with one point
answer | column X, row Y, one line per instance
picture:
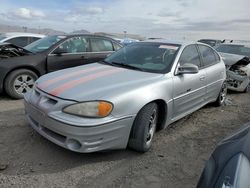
column 189, row 89
column 72, row 52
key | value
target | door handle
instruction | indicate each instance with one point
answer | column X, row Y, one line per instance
column 202, row 78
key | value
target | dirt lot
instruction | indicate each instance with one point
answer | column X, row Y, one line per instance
column 176, row 159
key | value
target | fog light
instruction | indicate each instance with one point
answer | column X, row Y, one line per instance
column 73, row 144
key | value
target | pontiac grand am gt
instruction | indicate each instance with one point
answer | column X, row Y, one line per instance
column 123, row 100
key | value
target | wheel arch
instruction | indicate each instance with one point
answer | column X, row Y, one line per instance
column 37, row 72
column 162, row 113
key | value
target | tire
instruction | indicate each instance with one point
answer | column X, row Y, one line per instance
column 144, row 128
column 18, row 82
column 222, row 95
column 246, row 89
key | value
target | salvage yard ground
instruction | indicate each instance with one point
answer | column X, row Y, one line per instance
column 175, row 160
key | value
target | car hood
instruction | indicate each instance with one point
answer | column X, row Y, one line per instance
column 231, row 59
column 8, row 50
column 93, row 81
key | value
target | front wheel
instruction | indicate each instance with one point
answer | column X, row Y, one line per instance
column 144, row 128
column 19, row 82
column 222, row 95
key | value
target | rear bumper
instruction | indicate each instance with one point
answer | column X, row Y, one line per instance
column 83, row 139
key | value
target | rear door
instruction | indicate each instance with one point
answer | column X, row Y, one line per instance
column 75, row 50
column 215, row 70
column 101, row 48
column 189, row 89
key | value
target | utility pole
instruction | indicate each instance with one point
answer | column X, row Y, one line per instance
column 125, row 34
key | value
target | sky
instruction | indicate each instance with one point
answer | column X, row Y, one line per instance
column 172, row 19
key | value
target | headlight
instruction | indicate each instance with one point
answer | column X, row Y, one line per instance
column 96, row 109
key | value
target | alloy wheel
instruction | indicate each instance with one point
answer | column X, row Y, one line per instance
column 23, row 83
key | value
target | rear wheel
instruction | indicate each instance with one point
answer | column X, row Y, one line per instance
column 19, row 82
column 144, row 128
column 222, row 95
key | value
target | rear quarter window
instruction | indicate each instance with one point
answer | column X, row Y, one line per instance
column 116, row 46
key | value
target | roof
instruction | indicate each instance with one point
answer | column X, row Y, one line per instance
column 210, row 39
column 178, row 42
column 83, row 34
column 12, row 34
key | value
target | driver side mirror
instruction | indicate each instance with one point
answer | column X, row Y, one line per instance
column 59, row 51
column 187, row 68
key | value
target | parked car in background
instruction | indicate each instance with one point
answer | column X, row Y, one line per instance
column 19, row 70
column 127, row 41
column 236, row 58
column 211, row 42
column 229, row 164
column 122, row 100
column 20, row 39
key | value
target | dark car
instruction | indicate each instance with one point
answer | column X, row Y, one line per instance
column 211, row 42
column 229, row 165
column 19, row 68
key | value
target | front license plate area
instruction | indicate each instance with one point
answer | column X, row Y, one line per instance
column 37, row 115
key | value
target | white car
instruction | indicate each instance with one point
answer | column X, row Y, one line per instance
column 20, row 39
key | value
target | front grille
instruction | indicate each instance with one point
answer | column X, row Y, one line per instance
column 54, row 135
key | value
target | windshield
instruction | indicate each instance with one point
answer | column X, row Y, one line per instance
column 2, row 36
column 43, row 44
column 234, row 49
column 151, row 57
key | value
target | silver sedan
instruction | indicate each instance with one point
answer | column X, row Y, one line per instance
column 123, row 100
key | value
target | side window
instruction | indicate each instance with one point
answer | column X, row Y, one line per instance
column 116, row 46
column 208, row 55
column 190, row 55
column 19, row 41
column 217, row 57
column 33, row 39
column 73, row 45
column 101, row 45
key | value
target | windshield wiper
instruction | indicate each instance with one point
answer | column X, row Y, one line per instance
column 125, row 66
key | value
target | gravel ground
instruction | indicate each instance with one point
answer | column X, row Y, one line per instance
column 175, row 160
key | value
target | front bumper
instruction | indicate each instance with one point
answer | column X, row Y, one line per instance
column 237, row 82
column 84, row 139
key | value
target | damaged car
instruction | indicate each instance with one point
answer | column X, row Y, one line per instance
column 123, row 100
column 236, row 58
column 8, row 50
column 20, row 67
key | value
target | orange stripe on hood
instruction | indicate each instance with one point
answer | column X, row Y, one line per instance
column 82, row 80
column 49, row 82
